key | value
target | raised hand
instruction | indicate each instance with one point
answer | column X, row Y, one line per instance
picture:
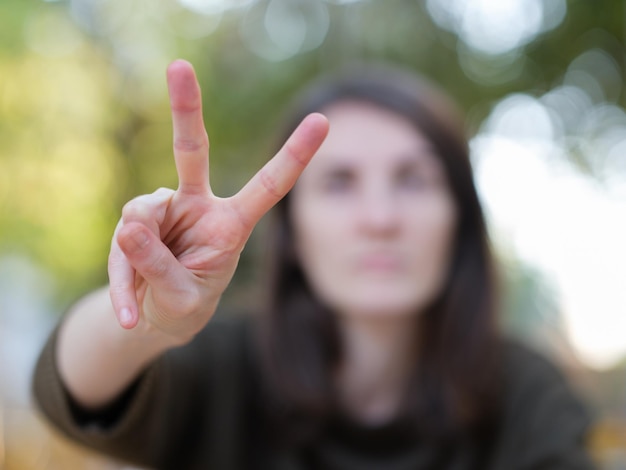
column 174, row 252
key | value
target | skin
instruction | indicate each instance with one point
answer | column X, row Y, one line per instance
column 373, row 215
column 172, row 254
column 374, row 221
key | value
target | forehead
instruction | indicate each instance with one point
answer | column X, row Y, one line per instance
column 360, row 130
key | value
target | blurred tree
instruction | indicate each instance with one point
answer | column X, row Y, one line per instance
column 84, row 119
column 83, row 110
column 58, row 164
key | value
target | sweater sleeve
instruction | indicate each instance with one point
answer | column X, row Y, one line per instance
column 161, row 420
column 545, row 424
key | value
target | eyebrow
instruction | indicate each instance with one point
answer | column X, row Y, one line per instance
column 428, row 161
column 426, row 156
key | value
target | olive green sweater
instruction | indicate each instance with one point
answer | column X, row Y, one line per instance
column 197, row 406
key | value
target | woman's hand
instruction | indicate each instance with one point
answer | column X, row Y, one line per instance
column 174, row 252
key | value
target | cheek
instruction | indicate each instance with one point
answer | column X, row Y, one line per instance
column 320, row 245
column 317, row 241
column 434, row 238
column 424, row 237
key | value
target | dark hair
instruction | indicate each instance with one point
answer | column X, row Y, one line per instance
column 453, row 386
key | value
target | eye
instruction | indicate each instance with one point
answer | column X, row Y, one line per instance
column 413, row 178
column 338, row 181
column 419, row 175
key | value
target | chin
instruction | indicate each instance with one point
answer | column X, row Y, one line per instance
column 388, row 299
column 384, row 306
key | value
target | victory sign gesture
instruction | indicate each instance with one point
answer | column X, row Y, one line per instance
column 174, row 252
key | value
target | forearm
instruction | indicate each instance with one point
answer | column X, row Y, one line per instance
column 97, row 358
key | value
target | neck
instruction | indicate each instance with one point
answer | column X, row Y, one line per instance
column 378, row 357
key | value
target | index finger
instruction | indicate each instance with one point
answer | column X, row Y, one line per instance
column 278, row 176
column 191, row 142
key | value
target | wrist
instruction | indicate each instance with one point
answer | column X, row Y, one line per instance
column 168, row 329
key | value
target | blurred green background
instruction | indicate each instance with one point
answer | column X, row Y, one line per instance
column 85, row 126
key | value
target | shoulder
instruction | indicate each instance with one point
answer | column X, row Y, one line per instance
column 543, row 417
column 532, row 381
column 525, row 367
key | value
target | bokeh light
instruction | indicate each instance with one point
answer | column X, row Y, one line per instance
column 280, row 29
column 494, row 26
column 558, row 220
column 84, row 126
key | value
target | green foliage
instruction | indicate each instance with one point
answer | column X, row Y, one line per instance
column 84, row 121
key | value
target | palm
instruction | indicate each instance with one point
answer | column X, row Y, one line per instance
column 174, row 252
column 198, row 231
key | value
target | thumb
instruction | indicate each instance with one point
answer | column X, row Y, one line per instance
column 151, row 258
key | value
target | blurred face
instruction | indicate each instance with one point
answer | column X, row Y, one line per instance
column 373, row 215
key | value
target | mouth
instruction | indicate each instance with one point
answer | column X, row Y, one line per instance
column 382, row 263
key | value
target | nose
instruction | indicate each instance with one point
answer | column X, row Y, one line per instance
column 379, row 212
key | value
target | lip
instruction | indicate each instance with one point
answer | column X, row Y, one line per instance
column 380, row 262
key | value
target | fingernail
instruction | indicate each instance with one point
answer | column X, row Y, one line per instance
column 125, row 316
column 140, row 240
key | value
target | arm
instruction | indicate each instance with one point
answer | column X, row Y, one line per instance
column 160, row 421
column 96, row 357
column 172, row 255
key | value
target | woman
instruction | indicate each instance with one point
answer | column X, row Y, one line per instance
column 378, row 348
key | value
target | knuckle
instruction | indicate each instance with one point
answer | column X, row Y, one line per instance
column 116, row 262
column 190, row 144
column 270, row 184
column 133, row 209
column 163, row 193
column 147, row 207
column 293, row 153
column 119, row 291
column 156, row 267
